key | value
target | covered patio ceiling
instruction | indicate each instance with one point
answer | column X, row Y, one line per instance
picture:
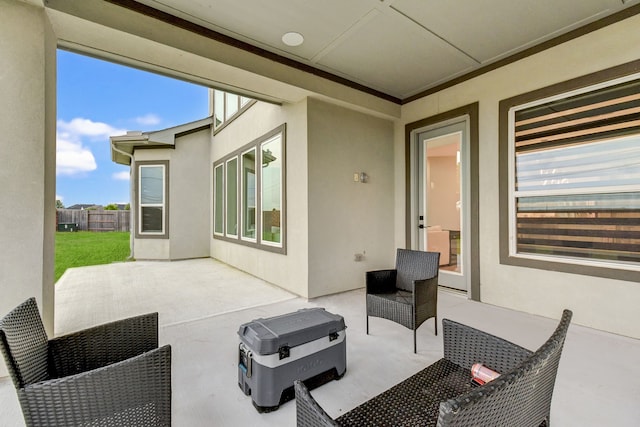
column 397, row 49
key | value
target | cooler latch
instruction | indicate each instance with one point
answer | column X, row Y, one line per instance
column 333, row 336
column 283, row 352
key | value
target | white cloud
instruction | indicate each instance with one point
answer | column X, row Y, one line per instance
column 80, row 127
column 72, row 156
column 148, row 120
column 59, row 197
column 121, row 176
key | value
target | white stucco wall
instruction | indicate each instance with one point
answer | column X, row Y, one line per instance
column 190, row 193
column 330, row 218
column 27, row 150
column 347, row 217
column 288, row 271
column 189, row 200
column 605, row 304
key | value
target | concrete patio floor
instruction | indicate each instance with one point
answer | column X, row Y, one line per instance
column 202, row 302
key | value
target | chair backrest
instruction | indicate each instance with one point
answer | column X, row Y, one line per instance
column 415, row 265
column 308, row 412
column 521, row 397
column 24, row 344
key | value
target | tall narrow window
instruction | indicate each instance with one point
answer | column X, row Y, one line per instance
column 218, row 108
column 271, row 190
column 218, row 201
column 232, row 198
column 152, row 199
column 249, row 194
column 232, row 106
column 576, row 185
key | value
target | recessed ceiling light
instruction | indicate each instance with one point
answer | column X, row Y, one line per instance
column 292, row 39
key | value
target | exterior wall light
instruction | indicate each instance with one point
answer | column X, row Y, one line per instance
column 360, row 177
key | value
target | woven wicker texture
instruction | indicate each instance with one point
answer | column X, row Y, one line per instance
column 308, row 412
column 413, row 402
column 23, row 341
column 407, row 295
column 520, row 397
column 442, row 394
column 109, row 375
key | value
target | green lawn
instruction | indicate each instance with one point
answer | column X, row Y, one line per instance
column 88, row 248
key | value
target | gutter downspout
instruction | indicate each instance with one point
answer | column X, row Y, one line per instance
column 132, row 205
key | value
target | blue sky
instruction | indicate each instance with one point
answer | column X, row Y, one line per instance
column 98, row 99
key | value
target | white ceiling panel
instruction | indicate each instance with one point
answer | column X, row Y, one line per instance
column 397, row 47
column 391, row 52
column 262, row 23
column 490, row 29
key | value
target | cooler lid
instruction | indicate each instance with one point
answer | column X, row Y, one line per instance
column 266, row 336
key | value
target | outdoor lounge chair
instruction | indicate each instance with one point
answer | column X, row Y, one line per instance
column 108, row 375
column 407, row 295
column 443, row 395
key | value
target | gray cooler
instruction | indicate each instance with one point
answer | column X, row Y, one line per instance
column 309, row 344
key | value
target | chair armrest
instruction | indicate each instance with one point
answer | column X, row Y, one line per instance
column 381, row 281
column 425, row 291
column 308, row 412
column 464, row 346
column 126, row 393
column 103, row 345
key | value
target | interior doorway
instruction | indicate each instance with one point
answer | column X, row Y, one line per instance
column 441, row 198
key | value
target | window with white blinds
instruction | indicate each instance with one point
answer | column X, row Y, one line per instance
column 576, row 175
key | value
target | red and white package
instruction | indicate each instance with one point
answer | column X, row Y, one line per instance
column 481, row 374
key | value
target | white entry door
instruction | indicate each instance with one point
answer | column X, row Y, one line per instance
column 441, row 205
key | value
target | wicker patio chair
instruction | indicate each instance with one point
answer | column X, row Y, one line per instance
column 408, row 294
column 442, row 394
column 108, row 375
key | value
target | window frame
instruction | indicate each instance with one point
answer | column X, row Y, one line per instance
column 221, row 104
column 227, row 195
column 508, row 241
column 221, row 201
column 261, row 190
column 257, row 242
column 164, row 234
column 244, row 194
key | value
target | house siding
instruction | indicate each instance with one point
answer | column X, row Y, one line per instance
column 189, row 191
column 600, row 303
column 187, row 199
column 347, row 217
column 330, row 217
column 290, row 270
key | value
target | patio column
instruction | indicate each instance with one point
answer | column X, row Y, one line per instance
column 27, row 153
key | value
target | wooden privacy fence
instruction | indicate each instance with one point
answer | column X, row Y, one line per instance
column 95, row 220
